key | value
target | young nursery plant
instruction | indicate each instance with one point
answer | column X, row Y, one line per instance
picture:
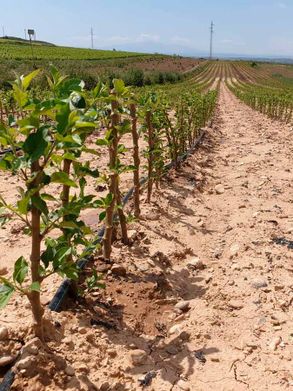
column 49, row 138
column 117, row 125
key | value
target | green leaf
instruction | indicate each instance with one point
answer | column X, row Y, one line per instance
column 47, row 197
column 100, row 90
column 48, row 255
column 6, row 292
column 99, row 203
column 4, row 165
column 70, row 271
column 94, row 281
column 20, row 96
column 102, row 215
column 63, row 178
column 102, row 141
column 62, row 254
column 92, row 151
column 86, row 230
column 40, row 204
column 124, row 128
column 35, row 286
column 62, row 118
column 26, row 80
column 70, row 85
column 68, row 224
column 119, row 86
column 69, row 156
column 108, row 199
column 22, row 205
column 77, row 100
column 36, row 144
column 20, row 270
column 80, row 125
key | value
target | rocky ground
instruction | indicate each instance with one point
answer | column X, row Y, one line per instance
column 202, row 298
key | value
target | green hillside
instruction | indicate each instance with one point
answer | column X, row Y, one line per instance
column 15, row 48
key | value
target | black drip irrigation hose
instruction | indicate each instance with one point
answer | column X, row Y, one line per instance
column 64, row 288
column 8, row 150
column 7, row 381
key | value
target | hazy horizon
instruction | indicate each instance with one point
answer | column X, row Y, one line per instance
column 250, row 28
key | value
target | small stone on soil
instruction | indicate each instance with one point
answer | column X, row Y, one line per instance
column 174, row 330
column 112, row 352
column 182, row 306
column 138, row 357
column 26, row 363
column 119, row 270
column 219, row 189
column 183, row 385
column 32, row 347
column 143, row 267
column 3, row 271
column 69, row 370
column 171, row 349
column 259, row 283
column 235, row 304
column 6, row 360
column 275, row 343
column 3, row 333
column 104, row 386
column 195, row 263
column 185, row 336
column 132, row 234
column 234, row 249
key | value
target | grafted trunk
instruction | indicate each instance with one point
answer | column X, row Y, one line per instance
column 136, row 161
column 121, row 216
column 113, row 148
column 150, row 154
column 66, row 188
column 34, row 296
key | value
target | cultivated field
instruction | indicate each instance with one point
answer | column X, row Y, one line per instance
column 136, row 69
column 185, row 283
column 11, row 49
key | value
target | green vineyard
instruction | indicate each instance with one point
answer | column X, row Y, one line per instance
column 98, row 177
column 23, row 51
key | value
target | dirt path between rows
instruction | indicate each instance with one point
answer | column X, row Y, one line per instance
column 242, row 321
column 203, row 298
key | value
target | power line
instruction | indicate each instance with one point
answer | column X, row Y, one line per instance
column 211, row 40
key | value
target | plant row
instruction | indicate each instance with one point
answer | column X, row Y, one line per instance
column 47, row 146
column 276, row 103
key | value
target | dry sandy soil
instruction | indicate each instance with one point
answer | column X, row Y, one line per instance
column 204, row 295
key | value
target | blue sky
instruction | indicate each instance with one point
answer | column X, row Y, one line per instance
column 257, row 27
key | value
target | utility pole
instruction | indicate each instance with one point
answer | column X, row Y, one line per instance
column 25, row 37
column 92, row 37
column 31, row 34
column 3, row 31
column 211, row 40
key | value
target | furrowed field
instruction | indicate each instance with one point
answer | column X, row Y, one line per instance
column 146, row 222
